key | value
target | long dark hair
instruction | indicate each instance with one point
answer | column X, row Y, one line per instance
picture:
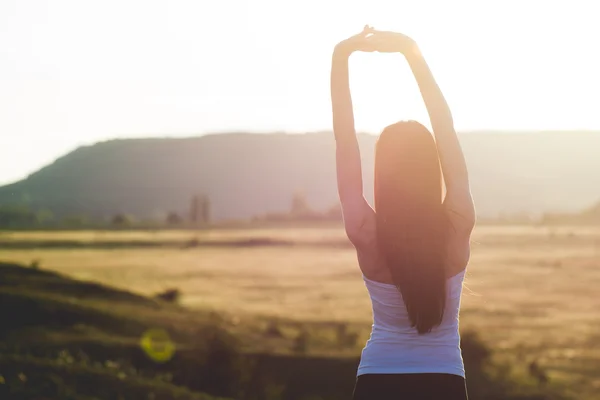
column 411, row 223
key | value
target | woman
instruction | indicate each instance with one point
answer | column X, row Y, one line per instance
column 414, row 247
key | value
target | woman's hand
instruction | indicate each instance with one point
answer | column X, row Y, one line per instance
column 391, row 42
column 359, row 42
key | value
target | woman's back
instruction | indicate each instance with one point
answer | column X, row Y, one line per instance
column 395, row 346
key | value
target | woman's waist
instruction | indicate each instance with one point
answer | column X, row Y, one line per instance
column 443, row 336
column 409, row 352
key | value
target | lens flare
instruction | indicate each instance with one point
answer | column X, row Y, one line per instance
column 157, row 344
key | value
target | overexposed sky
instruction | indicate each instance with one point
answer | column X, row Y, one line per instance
column 75, row 72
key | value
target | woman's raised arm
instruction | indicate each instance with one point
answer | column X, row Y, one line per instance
column 348, row 162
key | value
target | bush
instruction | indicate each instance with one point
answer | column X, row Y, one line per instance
column 169, row 295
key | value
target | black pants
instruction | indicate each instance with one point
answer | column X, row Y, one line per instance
column 410, row 387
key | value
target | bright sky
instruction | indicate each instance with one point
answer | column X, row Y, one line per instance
column 75, row 72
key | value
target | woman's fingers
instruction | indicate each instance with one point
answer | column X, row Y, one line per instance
column 359, row 41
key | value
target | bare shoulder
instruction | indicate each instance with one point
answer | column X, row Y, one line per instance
column 363, row 237
column 459, row 249
column 359, row 223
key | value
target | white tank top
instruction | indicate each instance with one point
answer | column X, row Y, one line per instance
column 397, row 348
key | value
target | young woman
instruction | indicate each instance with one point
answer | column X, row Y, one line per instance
column 413, row 248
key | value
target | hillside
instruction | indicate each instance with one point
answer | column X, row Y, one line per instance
column 250, row 174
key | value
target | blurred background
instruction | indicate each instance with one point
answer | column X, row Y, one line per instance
column 169, row 220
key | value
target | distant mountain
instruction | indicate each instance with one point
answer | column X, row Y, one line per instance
column 249, row 174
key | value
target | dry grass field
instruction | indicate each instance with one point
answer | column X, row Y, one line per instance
column 530, row 291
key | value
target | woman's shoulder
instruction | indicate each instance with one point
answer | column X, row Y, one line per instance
column 367, row 251
column 359, row 223
column 458, row 252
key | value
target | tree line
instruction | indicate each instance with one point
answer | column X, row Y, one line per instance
column 22, row 216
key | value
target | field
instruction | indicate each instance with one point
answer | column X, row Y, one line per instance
column 530, row 291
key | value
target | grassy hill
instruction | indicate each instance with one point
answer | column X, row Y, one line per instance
column 63, row 339
column 250, row 174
